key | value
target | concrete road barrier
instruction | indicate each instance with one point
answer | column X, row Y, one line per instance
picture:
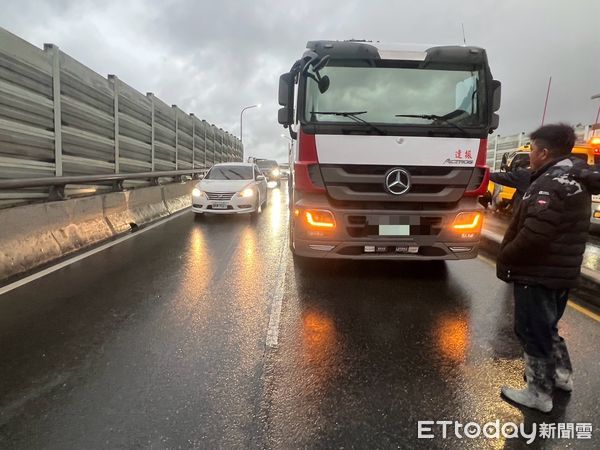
column 589, row 283
column 177, row 196
column 34, row 235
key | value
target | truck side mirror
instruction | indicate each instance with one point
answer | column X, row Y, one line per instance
column 496, row 91
column 285, row 116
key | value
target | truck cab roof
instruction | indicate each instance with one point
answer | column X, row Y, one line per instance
column 354, row 49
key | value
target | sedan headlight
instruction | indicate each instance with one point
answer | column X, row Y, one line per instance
column 197, row 193
column 248, row 192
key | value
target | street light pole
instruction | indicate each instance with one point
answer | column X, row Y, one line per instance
column 242, row 117
column 595, row 124
column 258, row 105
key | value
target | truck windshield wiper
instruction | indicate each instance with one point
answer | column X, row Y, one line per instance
column 352, row 115
column 433, row 117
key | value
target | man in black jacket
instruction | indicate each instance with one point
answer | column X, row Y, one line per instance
column 541, row 254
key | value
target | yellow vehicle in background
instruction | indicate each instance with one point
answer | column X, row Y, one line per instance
column 501, row 197
column 595, row 216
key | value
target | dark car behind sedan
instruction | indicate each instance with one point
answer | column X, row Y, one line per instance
column 270, row 169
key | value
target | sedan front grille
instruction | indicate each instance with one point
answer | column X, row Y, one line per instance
column 220, row 195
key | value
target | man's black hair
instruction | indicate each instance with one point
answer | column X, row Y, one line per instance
column 559, row 139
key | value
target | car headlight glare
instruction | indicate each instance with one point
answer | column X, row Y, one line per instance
column 248, row 192
column 275, row 172
column 198, row 193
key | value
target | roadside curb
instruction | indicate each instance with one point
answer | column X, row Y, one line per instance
column 35, row 235
column 589, row 281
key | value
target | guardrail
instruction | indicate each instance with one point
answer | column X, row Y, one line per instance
column 58, row 184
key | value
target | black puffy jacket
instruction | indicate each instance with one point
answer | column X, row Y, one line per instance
column 545, row 241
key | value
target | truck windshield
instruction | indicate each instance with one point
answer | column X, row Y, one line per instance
column 393, row 94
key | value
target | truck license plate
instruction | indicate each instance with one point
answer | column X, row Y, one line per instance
column 219, row 205
column 596, row 198
column 394, row 230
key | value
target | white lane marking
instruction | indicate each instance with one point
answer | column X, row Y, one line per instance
column 68, row 262
column 275, row 315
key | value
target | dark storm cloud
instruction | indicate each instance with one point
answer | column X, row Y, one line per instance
column 213, row 58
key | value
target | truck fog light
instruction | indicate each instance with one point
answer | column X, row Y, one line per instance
column 322, row 248
column 461, row 249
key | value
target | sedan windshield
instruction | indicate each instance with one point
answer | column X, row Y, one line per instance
column 395, row 94
column 230, row 173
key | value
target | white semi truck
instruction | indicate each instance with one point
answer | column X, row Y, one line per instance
column 389, row 153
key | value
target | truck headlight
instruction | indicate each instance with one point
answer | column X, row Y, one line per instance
column 319, row 219
column 467, row 222
column 275, row 172
column 248, row 192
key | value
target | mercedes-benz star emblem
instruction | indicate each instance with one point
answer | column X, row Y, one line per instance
column 397, row 181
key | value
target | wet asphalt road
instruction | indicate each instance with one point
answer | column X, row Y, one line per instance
column 160, row 342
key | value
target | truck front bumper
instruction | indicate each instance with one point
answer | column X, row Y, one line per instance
column 428, row 234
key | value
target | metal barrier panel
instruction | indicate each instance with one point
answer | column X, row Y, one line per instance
column 27, row 118
column 184, row 139
column 164, row 136
column 134, row 122
column 199, row 143
column 210, row 145
column 87, row 119
column 60, row 118
column 218, row 145
column 26, row 109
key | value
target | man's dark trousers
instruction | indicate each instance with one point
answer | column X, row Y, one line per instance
column 537, row 312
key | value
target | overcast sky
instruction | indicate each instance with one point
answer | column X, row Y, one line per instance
column 213, row 58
